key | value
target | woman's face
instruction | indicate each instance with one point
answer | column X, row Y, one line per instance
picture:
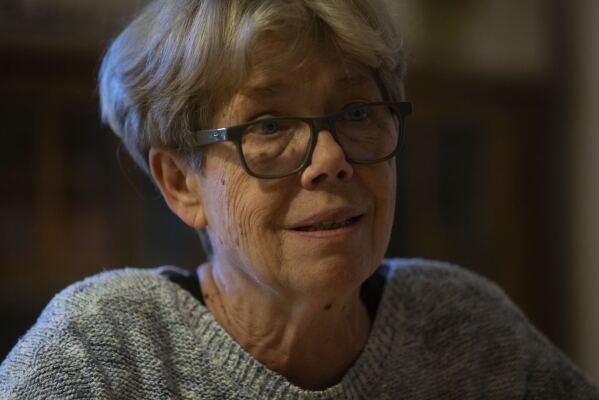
column 271, row 231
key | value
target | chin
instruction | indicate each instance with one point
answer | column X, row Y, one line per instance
column 332, row 275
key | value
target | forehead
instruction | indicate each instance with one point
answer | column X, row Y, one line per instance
column 275, row 64
column 335, row 77
column 264, row 82
column 311, row 82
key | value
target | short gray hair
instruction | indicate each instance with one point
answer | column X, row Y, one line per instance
column 165, row 74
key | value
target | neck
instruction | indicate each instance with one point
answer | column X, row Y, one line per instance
column 312, row 341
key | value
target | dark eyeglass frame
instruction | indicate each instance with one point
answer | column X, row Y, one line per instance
column 205, row 137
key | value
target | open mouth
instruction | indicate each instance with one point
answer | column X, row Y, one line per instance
column 327, row 226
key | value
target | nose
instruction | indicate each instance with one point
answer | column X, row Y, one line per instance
column 328, row 163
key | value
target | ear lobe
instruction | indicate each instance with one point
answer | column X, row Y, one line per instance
column 178, row 185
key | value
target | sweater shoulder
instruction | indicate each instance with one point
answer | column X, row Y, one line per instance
column 125, row 283
column 442, row 280
column 445, row 300
column 86, row 327
column 442, row 300
column 466, row 323
column 108, row 297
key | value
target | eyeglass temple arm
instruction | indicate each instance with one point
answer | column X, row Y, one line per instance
column 209, row 136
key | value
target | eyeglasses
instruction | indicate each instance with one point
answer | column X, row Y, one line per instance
column 278, row 147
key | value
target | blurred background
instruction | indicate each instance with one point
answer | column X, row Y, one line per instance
column 500, row 173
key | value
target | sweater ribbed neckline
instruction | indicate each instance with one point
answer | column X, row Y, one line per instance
column 257, row 380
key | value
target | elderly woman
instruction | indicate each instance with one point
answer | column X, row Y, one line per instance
column 272, row 127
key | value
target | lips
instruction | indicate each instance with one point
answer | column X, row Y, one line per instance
column 328, row 220
column 325, row 226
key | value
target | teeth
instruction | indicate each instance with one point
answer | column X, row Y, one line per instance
column 327, row 226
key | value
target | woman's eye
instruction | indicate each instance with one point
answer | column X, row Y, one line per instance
column 357, row 114
column 269, row 127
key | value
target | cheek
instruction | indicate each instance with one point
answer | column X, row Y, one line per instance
column 392, row 184
column 249, row 239
column 389, row 193
column 249, row 214
column 381, row 180
column 242, row 213
column 243, row 210
column 232, row 208
column 382, row 186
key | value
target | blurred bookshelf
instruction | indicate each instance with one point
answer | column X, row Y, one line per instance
column 72, row 203
column 480, row 185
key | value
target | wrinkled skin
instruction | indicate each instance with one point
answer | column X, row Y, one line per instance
column 247, row 217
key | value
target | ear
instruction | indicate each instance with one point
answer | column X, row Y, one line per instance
column 179, row 186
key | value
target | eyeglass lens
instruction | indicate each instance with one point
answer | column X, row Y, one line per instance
column 275, row 147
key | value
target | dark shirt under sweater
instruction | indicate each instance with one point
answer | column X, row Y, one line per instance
column 370, row 291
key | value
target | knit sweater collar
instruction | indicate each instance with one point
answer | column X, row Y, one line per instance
column 229, row 357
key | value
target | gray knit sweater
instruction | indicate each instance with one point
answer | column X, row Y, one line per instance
column 440, row 332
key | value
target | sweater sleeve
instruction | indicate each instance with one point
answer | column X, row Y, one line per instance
column 551, row 375
column 548, row 372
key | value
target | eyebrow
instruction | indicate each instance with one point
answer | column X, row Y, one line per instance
column 348, row 82
column 271, row 88
column 277, row 87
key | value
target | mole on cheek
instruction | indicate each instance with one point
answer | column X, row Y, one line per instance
column 223, row 181
column 328, row 307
